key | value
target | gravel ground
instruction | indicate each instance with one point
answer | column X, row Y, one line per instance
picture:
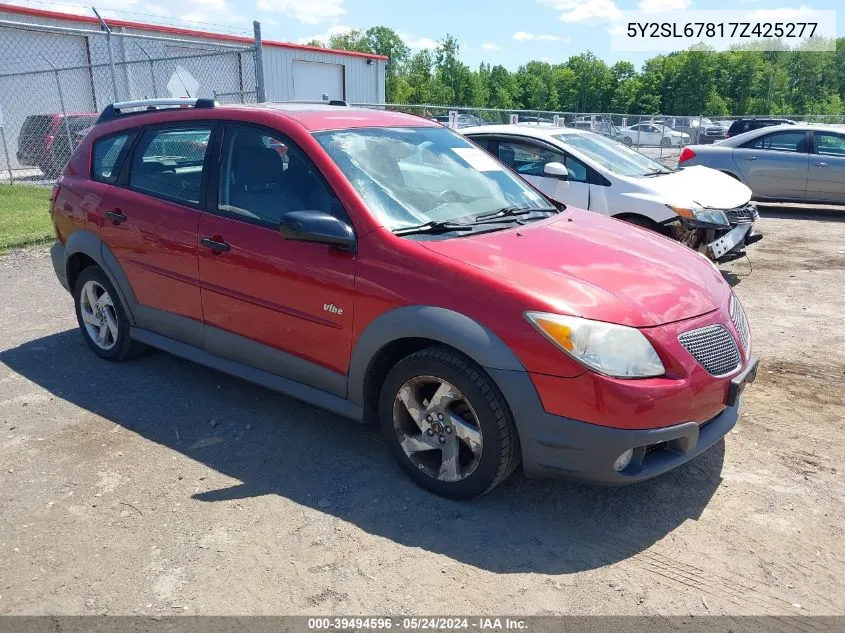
column 160, row 487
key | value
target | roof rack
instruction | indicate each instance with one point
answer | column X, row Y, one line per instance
column 140, row 106
column 331, row 102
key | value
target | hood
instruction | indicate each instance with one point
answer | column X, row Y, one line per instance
column 583, row 264
column 702, row 185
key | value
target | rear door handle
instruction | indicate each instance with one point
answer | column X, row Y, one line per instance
column 218, row 246
column 820, row 164
column 750, row 157
column 117, row 216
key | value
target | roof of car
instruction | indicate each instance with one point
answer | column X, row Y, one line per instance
column 312, row 116
column 738, row 139
column 315, row 116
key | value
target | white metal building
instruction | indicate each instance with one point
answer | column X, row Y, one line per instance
column 291, row 72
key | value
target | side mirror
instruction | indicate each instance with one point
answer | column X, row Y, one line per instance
column 319, row 227
column 556, row 170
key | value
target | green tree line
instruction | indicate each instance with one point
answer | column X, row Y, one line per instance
column 691, row 82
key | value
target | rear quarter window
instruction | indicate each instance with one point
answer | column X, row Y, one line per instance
column 107, row 155
column 36, row 126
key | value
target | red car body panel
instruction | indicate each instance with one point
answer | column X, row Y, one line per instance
column 261, row 290
column 274, row 291
column 157, row 248
column 584, row 264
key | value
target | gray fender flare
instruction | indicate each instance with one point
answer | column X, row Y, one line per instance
column 438, row 324
column 90, row 244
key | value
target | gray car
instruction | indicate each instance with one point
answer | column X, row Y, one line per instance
column 781, row 163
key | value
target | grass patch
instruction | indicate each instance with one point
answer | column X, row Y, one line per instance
column 24, row 216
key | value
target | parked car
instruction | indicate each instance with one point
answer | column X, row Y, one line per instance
column 464, row 120
column 393, row 271
column 701, row 208
column 602, row 127
column 700, row 129
column 43, row 140
column 653, row 135
column 790, row 162
column 740, row 126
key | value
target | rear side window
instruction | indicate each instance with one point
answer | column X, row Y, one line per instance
column 36, row 125
column 168, row 163
column 780, row 142
column 106, row 157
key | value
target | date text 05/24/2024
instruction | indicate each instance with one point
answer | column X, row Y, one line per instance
column 417, row 623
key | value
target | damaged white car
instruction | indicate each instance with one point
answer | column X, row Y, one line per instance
column 700, row 207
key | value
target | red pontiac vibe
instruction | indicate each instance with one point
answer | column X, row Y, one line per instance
column 383, row 267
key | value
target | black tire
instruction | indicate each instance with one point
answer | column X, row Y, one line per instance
column 124, row 347
column 665, row 142
column 500, row 451
column 627, row 140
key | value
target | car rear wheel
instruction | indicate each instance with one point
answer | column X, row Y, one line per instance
column 447, row 424
column 101, row 318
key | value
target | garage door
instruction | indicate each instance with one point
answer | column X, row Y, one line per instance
column 312, row 80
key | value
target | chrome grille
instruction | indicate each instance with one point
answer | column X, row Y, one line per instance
column 744, row 214
column 714, row 348
column 741, row 324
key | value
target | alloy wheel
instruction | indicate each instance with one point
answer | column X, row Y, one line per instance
column 98, row 315
column 437, row 428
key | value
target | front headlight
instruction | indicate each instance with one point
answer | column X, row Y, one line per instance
column 711, row 216
column 615, row 350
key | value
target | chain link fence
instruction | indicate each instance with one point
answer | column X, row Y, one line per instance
column 659, row 136
column 54, row 81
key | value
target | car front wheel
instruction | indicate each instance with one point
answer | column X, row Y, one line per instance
column 447, row 424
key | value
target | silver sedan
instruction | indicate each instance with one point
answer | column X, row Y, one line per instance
column 803, row 163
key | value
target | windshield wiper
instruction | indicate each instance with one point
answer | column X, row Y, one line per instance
column 658, row 172
column 507, row 212
column 433, row 227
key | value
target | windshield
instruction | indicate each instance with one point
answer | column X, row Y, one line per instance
column 612, row 155
column 409, row 176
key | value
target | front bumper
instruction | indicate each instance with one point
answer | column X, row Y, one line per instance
column 741, row 233
column 559, row 447
column 730, row 241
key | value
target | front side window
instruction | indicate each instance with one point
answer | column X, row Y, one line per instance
column 780, row 142
column 411, row 175
column 264, row 176
column 168, row 163
column 527, row 158
column 830, row 144
column 105, row 155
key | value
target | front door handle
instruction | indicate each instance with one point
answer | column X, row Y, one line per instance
column 217, row 245
column 116, row 216
column 819, row 164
